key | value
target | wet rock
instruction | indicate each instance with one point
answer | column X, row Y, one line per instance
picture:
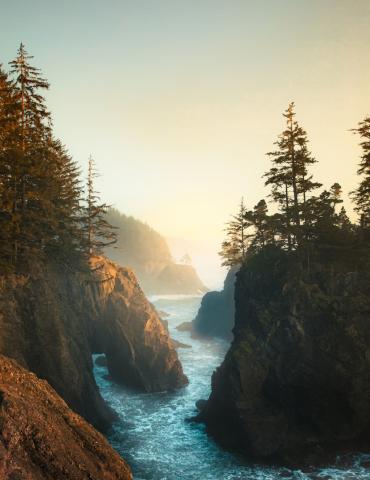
column 215, row 317
column 184, row 327
column 201, row 404
column 294, row 387
column 177, row 344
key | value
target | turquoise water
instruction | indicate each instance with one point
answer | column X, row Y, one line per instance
column 153, row 433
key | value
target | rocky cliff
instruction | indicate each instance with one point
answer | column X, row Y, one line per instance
column 148, row 254
column 215, row 317
column 295, row 384
column 52, row 322
column 42, row 439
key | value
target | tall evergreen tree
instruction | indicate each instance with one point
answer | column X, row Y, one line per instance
column 7, row 123
column 361, row 195
column 290, row 179
column 40, row 192
column 234, row 248
column 99, row 233
column 30, row 165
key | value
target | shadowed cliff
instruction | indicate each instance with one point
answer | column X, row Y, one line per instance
column 295, row 386
column 215, row 317
column 42, row 439
column 53, row 322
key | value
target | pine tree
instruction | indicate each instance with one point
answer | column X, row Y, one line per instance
column 7, row 122
column 264, row 226
column 361, row 195
column 289, row 178
column 65, row 239
column 30, row 162
column 234, row 248
column 40, row 192
column 98, row 231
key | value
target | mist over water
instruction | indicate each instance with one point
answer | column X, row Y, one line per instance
column 156, row 439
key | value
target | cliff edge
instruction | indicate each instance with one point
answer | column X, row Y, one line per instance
column 295, row 385
column 52, row 323
column 215, row 317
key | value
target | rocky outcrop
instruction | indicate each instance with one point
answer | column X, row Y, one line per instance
column 295, row 385
column 53, row 322
column 42, row 439
column 148, row 254
column 177, row 279
column 215, row 317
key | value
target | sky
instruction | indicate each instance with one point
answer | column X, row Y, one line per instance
column 179, row 101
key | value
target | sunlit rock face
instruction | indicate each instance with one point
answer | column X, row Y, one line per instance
column 215, row 317
column 295, row 385
column 52, row 323
column 41, row 438
column 128, row 330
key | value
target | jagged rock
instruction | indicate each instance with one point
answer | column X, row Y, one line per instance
column 53, row 322
column 42, row 439
column 295, row 385
column 215, row 317
column 184, row 327
column 177, row 344
column 200, row 404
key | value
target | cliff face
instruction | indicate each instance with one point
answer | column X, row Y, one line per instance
column 42, row 439
column 295, row 384
column 176, row 279
column 52, row 324
column 215, row 317
column 147, row 252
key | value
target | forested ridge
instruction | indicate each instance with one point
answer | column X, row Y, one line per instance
column 311, row 226
column 45, row 211
column 294, row 386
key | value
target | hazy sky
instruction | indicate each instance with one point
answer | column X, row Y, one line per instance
column 178, row 101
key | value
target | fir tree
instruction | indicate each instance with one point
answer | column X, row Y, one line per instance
column 7, row 122
column 264, row 226
column 361, row 195
column 29, row 167
column 234, row 248
column 98, row 231
column 289, row 178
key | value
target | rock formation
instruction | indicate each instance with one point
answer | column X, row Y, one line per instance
column 295, row 385
column 215, row 317
column 42, row 439
column 53, row 322
column 148, row 254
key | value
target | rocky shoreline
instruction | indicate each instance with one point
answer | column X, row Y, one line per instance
column 294, row 387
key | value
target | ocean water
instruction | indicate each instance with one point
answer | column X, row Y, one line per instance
column 153, row 432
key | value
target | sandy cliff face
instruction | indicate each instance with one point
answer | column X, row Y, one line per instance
column 53, row 322
column 42, row 439
column 295, row 384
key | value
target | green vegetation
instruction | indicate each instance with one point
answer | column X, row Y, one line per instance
column 43, row 214
column 137, row 243
column 309, row 227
